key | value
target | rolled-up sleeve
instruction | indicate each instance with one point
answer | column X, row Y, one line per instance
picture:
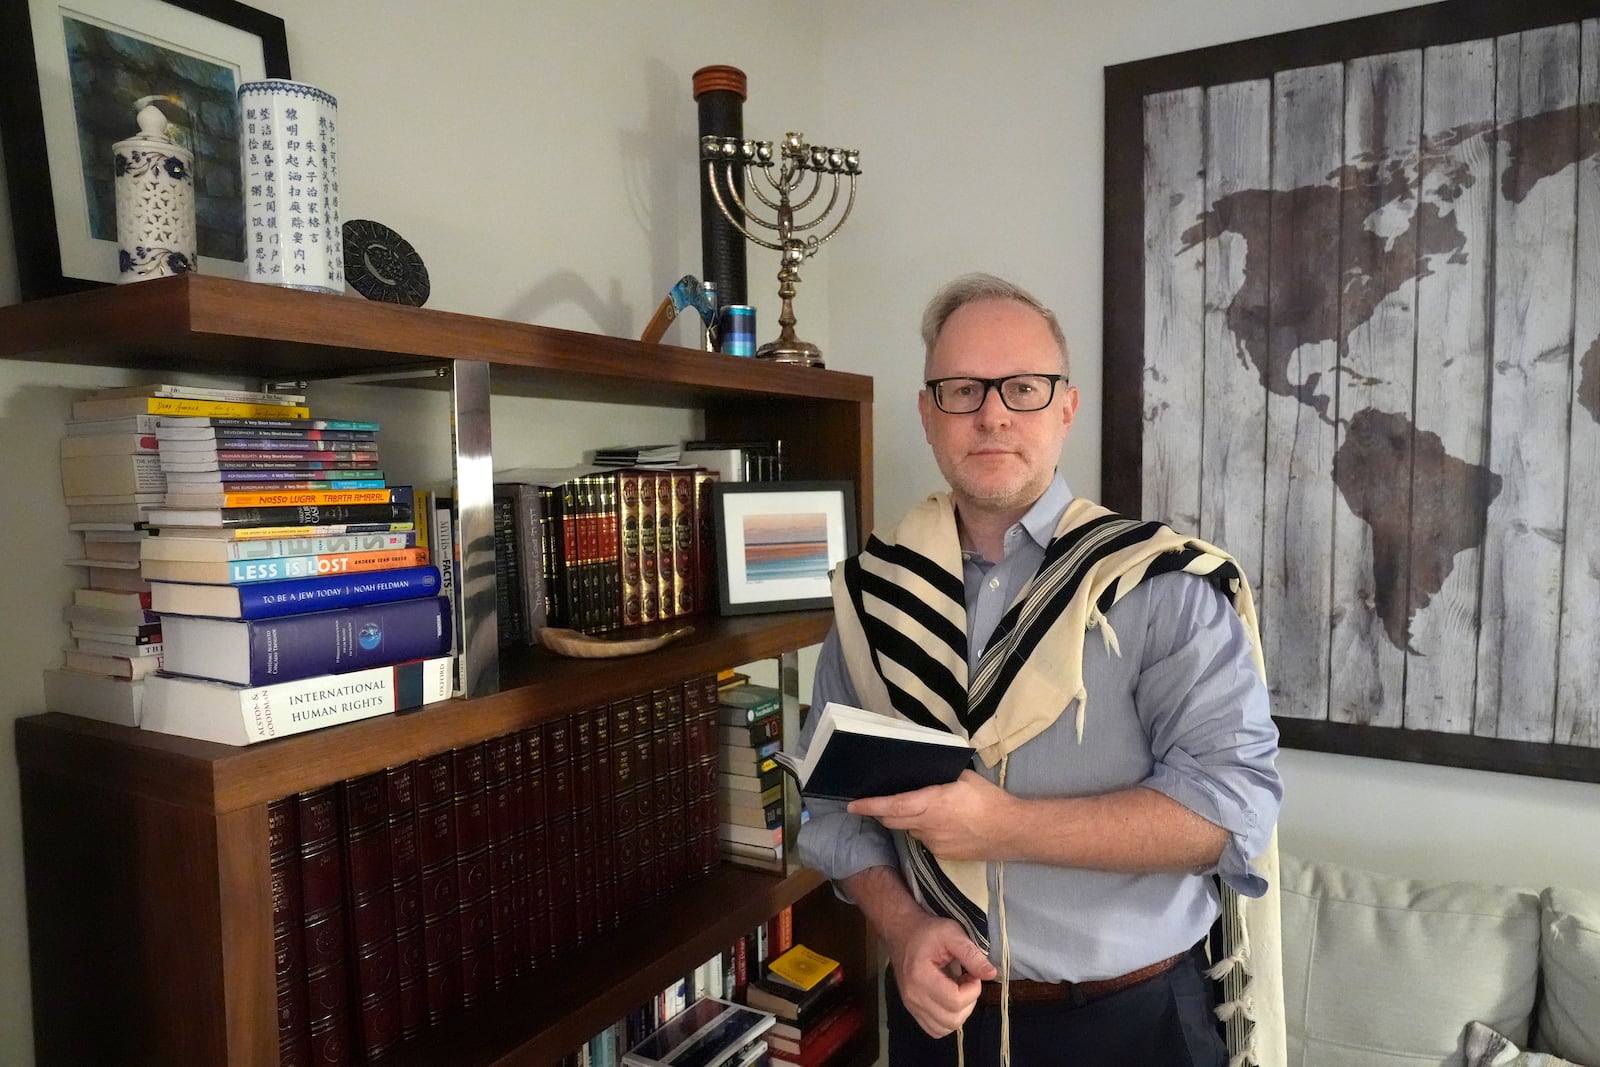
column 1205, row 708
column 832, row 840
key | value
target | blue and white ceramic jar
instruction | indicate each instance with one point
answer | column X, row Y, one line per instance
column 289, row 150
column 155, row 201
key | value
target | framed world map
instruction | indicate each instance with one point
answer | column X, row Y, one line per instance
column 1352, row 335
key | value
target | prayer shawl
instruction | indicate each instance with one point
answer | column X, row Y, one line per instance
column 900, row 608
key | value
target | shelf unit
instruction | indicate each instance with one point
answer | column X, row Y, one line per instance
column 149, row 905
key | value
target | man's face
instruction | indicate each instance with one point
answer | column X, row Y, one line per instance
column 996, row 459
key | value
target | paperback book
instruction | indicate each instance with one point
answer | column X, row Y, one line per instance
column 292, row 596
column 856, row 753
column 244, row 715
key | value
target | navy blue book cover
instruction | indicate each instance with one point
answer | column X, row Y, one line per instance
column 863, row 765
column 263, row 600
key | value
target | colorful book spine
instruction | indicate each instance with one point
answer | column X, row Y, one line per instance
column 297, row 423
column 685, row 593
column 263, row 651
column 649, row 554
column 293, row 596
column 300, row 531
column 298, row 498
column 667, row 590
column 628, row 546
column 179, row 407
column 327, row 564
column 379, row 516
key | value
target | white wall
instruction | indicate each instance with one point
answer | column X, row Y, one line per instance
column 540, row 156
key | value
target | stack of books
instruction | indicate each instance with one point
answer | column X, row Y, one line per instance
column 722, row 977
column 738, row 461
column 111, row 479
column 288, row 601
column 815, row 1018
column 637, row 456
column 750, row 806
column 405, row 896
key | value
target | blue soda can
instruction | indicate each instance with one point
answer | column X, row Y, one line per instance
column 736, row 329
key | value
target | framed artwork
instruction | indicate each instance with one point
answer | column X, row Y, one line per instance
column 777, row 543
column 1351, row 336
column 73, row 70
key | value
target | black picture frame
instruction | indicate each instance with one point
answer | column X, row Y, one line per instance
column 1123, row 326
column 22, row 126
column 735, row 504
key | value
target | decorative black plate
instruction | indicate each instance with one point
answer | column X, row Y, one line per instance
column 381, row 265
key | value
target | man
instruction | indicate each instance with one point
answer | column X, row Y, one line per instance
column 1047, row 904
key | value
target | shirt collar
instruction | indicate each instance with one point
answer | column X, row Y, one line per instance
column 1042, row 519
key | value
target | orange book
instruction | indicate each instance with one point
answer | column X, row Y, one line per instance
column 280, row 498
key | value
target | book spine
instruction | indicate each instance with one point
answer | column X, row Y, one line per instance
column 558, row 829
column 405, row 867
column 370, row 914
column 398, row 494
column 288, row 937
column 505, row 839
column 298, row 531
column 537, row 860
column 322, row 889
column 611, row 544
column 294, row 596
column 440, row 524
column 628, row 546
column 587, row 918
column 471, row 801
column 649, row 553
column 436, row 855
column 551, row 549
column 507, row 600
column 293, row 515
column 700, row 711
column 571, row 558
column 624, row 813
column 298, row 423
column 601, row 780
column 325, row 565
column 706, row 565
column 172, row 406
column 342, row 640
column 685, row 594
column 530, row 562
column 666, row 599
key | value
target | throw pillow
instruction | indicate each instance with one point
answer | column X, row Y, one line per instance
column 1380, row 971
column 1486, row 1048
column 1568, row 1022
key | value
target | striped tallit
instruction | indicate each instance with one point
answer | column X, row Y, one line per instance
column 901, row 616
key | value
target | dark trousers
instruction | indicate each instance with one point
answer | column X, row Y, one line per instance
column 1166, row 1021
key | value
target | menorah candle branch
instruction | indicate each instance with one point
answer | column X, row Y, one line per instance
column 785, row 176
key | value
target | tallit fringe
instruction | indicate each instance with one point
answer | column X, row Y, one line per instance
column 1237, row 1010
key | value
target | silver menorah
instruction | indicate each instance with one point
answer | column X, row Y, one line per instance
column 795, row 244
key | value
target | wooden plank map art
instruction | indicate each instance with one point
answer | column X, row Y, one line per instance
column 1353, row 336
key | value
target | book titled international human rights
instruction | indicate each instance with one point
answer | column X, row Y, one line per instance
column 856, row 753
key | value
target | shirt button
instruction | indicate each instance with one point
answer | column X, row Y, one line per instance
column 994, row 583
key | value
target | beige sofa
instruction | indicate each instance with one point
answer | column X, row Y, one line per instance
column 1381, row 971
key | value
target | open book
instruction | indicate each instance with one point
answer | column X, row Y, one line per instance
column 856, row 753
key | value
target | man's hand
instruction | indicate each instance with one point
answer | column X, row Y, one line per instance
column 971, row 818
column 924, row 959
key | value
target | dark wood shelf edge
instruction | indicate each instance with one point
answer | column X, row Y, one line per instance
column 220, row 778
column 555, row 1010
column 1569, row 762
column 214, row 325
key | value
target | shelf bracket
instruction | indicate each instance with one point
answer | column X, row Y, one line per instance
column 473, row 456
column 789, row 690
column 383, row 376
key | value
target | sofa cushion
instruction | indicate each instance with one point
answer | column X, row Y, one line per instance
column 1569, row 1013
column 1485, row 1048
column 1381, row 971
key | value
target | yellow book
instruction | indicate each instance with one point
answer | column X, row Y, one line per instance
column 801, row 967
column 115, row 407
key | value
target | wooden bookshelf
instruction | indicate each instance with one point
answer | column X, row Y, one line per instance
column 149, row 905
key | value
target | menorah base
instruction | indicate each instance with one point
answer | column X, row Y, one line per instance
column 791, row 350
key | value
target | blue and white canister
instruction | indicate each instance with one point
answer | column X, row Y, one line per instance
column 289, row 154
column 155, row 200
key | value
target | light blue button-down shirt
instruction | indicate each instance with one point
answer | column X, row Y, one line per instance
column 1182, row 710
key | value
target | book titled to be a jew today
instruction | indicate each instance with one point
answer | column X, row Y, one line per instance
column 855, row 753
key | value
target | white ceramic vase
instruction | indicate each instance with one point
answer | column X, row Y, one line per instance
column 289, row 150
column 155, row 201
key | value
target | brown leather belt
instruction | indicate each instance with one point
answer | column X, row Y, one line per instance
column 1027, row 991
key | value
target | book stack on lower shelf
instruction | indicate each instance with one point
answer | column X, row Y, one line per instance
column 287, row 609
column 722, row 978
column 750, row 797
column 406, row 897
column 816, row 1019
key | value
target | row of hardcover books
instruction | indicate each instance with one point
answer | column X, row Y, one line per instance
column 407, row 896
column 598, row 550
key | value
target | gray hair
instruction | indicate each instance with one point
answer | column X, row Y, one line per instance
column 972, row 288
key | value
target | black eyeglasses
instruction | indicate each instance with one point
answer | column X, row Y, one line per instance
column 1019, row 392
